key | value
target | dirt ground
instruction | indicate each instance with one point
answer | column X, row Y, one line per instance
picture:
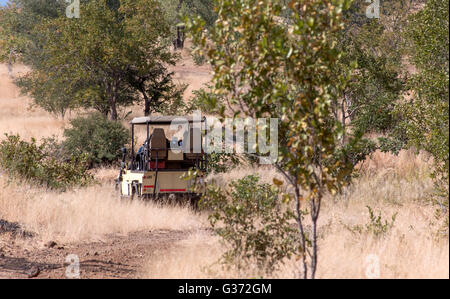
column 114, row 257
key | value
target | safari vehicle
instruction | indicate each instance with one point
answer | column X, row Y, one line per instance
column 160, row 166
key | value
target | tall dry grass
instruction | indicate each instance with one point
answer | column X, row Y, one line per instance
column 389, row 185
column 83, row 214
column 413, row 248
column 194, row 258
column 87, row 214
column 16, row 114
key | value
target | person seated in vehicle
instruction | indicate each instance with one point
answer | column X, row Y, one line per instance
column 140, row 157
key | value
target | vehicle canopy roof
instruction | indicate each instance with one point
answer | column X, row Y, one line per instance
column 165, row 120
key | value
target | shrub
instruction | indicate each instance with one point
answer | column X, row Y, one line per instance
column 198, row 58
column 203, row 100
column 253, row 223
column 97, row 136
column 30, row 161
column 358, row 150
column 376, row 226
column 390, row 145
column 221, row 162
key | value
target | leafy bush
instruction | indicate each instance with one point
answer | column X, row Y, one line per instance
column 221, row 162
column 30, row 161
column 204, row 100
column 377, row 226
column 355, row 151
column 390, row 145
column 252, row 221
column 97, row 136
column 198, row 58
column 358, row 150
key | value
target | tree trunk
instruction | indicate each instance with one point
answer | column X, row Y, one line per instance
column 304, row 270
column 113, row 102
column 344, row 118
column 315, row 209
column 178, row 43
column 10, row 70
column 113, row 114
column 146, row 104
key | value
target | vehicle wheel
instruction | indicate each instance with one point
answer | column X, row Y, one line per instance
column 194, row 201
column 119, row 188
column 135, row 190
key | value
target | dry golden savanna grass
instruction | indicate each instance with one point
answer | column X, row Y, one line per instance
column 83, row 214
column 15, row 113
column 388, row 184
column 87, row 214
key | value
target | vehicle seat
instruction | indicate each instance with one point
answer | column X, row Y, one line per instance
column 158, row 144
column 189, row 152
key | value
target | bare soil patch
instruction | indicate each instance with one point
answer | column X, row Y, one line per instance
column 114, row 257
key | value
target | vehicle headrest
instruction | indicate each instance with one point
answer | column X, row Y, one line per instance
column 195, row 141
column 158, row 143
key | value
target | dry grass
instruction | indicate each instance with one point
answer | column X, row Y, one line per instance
column 194, row 258
column 342, row 255
column 404, row 253
column 411, row 249
column 388, row 184
column 87, row 214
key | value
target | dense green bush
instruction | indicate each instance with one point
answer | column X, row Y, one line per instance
column 391, row 145
column 96, row 136
column 358, row 150
column 253, row 222
column 30, row 161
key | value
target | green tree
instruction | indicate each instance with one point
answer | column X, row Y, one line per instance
column 379, row 81
column 18, row 19
column 115, row 55
column 157, row 88
column 21, row 42
column 176, row 9
column 426, row 114
column 268, row 66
